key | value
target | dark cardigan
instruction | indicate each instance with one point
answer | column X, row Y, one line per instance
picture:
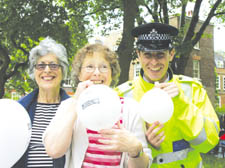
column 29, row 102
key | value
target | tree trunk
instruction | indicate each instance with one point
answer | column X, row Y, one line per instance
column 4, row 63
column 179, row 64
column 2, row 84
column 125, row 48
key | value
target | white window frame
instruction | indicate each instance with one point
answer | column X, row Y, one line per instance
column 220, row 64
column 196, row 69
column 223, row 82
column 218, row 82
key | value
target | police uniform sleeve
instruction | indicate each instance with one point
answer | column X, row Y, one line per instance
column 196, row 117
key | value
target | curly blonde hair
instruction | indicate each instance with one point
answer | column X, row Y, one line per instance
column 89, row 49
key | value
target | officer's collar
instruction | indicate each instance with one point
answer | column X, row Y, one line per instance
column 169, row 75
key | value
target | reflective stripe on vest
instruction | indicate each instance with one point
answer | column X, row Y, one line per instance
column 200, row 165
column 217, row 129
column 200, row 138
column 171, row 157
column 128, row 94
column 187, row 90
column 202, row 135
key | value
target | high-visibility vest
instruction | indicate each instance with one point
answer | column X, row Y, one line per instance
column 192, row 129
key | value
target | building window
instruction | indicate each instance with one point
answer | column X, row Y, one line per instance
column 137, row 69
column 223, row 82
column 219, row 64
column 196, row 69
column 218, row 82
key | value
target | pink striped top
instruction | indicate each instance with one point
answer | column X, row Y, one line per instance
column 98, row 158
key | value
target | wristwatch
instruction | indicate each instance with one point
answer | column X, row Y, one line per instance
column 140, row 153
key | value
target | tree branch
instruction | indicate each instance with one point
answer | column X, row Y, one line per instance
column 183, row 15
column 165, row 11
column 19, row 47
column 219, row 13
column 153, row 13
column 190, row 33
column 17, row 65
column 5, row 61
column 140, row 20
column 99, row 10
column 206, row 23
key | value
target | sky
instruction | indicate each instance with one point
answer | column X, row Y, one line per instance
column 219, row 35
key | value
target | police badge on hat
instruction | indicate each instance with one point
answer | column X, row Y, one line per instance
column 154, row 36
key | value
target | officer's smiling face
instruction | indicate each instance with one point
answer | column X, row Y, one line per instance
column 155, row 64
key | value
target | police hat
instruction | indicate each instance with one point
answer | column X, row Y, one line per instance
column 154, row 36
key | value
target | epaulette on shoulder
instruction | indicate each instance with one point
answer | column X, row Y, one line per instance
column 184, row 78
column 124, row 88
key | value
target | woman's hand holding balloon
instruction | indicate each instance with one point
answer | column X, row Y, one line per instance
column 120, row 140
column 154, row 137
column 81, row 87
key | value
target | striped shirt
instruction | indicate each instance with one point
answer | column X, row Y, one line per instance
column 37, row 156
column 98, row 158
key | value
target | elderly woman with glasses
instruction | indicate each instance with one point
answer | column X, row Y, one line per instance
column 48, row 67
column 125, row 145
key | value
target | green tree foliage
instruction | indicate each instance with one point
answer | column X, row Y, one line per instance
column 220, row 110
column 22, row 24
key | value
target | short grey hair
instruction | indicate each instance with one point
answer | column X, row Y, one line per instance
column 47, row 46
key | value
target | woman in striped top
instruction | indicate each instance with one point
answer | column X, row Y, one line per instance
column 48, row 66
column 123, row 146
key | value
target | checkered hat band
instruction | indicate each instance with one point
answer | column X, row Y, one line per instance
column 153, row 47
column 154, row 36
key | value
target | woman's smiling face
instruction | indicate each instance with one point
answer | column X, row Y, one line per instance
column 96, row 68
column 48, row 78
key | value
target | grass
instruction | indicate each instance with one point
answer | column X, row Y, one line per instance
column 210, row 161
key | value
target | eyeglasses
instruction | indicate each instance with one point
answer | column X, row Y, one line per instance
column 91, row 68
column 42, row 67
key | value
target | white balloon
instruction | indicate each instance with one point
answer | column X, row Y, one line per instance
column 15, row 131
column 99, row 107
column 156, row 105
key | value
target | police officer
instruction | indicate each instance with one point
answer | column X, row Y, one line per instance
column 194, row 126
